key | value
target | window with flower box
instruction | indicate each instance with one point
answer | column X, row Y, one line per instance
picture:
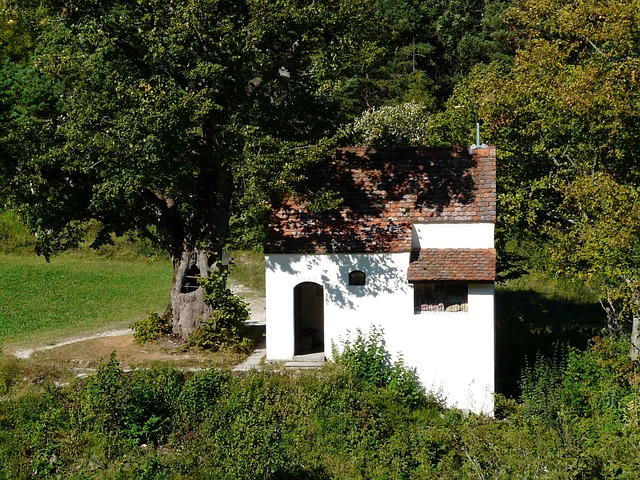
column 440, row 297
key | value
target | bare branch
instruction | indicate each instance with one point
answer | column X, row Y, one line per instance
column 596, row 48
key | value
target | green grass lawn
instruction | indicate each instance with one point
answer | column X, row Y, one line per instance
column 43, row 302
column 247, row 269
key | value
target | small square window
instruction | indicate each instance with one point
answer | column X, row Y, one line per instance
column 357, row 277
column 440, row 297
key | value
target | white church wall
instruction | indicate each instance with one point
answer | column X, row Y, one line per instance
column 452, row 235
column 453, row 353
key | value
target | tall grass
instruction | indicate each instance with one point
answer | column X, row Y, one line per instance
column 41, row 302
column 247, row 269
column 14, row 235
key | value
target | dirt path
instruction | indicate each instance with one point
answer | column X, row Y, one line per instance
column 27, row 352
column 88, row 351
column 257, row 304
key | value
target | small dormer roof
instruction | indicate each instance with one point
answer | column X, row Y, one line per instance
column 452, row 265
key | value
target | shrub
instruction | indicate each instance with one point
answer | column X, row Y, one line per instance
column 540, row 386
column 252, row 420
column 589, row 399
column 223, row 329
column 367, row 359
column 199, row 395
column 391, row 126
column 151, row 328
column 136, row 405
column 598, row 382
column 105, row 398
column 405, row 384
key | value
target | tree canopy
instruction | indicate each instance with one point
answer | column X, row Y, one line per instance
column 565, row 116
column 599, row 243
column 163, row 118
column 134, row 114
column 183, row 120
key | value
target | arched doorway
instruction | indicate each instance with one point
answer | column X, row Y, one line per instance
column 308, row 318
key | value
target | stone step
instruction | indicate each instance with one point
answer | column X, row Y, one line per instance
column 304, row 364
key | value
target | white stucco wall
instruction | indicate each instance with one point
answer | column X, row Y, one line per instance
column 452, row 352
column 452, row 235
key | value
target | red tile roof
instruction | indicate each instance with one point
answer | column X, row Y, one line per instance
column 385, row 191
column 452, row 264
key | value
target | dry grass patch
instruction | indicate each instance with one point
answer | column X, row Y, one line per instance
column 88, row 354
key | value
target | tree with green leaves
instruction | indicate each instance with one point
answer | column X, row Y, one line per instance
column 18, row 29
column 469, row 32
column 597, row 239
column 389, row 126
column 135, row 114
column 564, row 116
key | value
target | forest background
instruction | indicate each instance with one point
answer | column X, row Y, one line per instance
column 183, row 122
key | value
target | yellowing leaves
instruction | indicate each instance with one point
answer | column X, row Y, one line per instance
column 145, row 87
column 601, row 241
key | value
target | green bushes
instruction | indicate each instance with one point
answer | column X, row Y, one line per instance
column 540, row 382
column 598, row 382
column 577, row 419
column 136, row 406
column 589, row 402
column 214, row 425
column 224, row 327
column 367, row 359
column 151, row 328
column 199, row 395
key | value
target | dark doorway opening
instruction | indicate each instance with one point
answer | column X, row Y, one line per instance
column 308, row 307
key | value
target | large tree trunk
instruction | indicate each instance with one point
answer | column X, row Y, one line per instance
column 209, row 227
column 196, row 237
column 188, row 307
